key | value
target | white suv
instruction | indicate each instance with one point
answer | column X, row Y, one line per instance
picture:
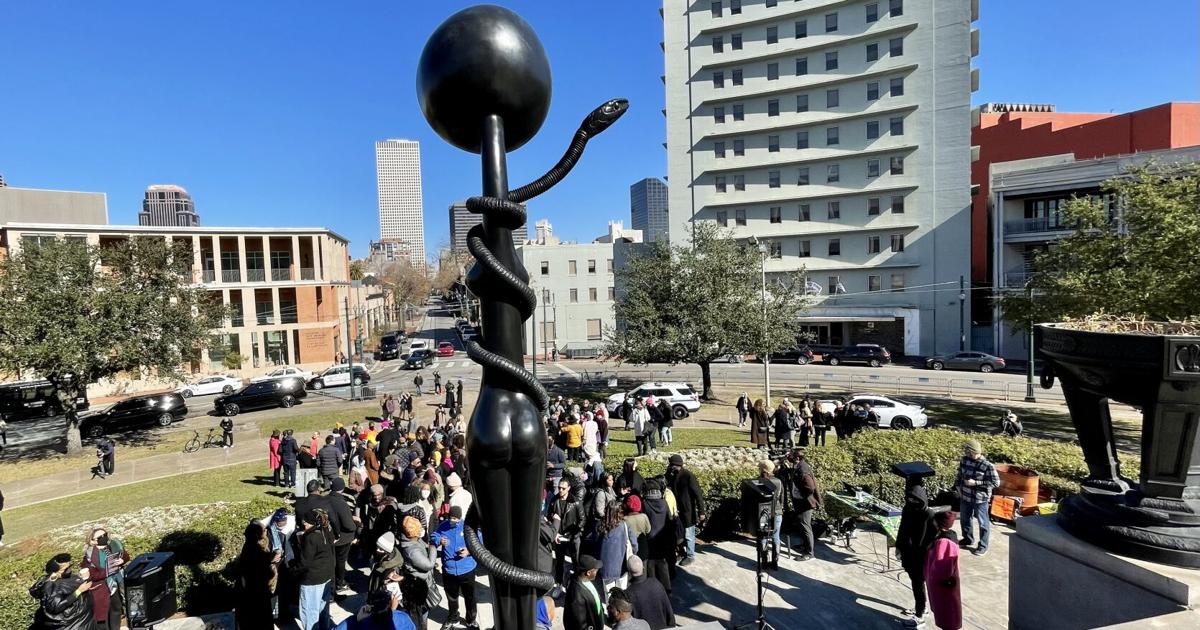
column 684, row 400
column 895, row 414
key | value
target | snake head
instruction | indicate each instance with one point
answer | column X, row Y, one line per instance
column 604, row 116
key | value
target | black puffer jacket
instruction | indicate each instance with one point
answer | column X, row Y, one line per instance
column 59, row 607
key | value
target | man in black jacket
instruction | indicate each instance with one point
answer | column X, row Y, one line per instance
column 584, row 608
column 63, row 600
column 690, row 501
column 314, row 568
column 916, row 533
column 288, row 452
column 227, row 431
column 342, row 517
column 567, row 517
column 329, row 460
column 649, row 598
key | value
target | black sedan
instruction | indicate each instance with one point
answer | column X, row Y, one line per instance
column 132, row 413
column 267, row 394
column 419, row 359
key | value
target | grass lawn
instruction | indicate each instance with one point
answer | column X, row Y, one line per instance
column 621, row 443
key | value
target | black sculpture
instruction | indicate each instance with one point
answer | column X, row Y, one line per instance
column 484, row 86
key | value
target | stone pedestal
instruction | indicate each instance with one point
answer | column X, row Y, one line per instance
column 1058, row 581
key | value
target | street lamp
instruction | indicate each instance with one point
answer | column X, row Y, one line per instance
column 766, row 358
column 962, row 300
column 1029, row 397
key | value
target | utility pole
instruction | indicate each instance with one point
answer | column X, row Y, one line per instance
column 533, row 339
column 349, row 346
column 962, row 331
column 1029, row 397
column 766, row 357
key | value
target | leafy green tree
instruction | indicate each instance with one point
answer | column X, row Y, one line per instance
column 698, row 302
column 74, row 314
column 1133, row 252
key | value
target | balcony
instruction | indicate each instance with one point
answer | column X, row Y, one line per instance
column 256, row 275
column 281, row 274
column 308, row 273
column 1037, row 224
column 208, row 275
column 266, row 318
column 231, row 275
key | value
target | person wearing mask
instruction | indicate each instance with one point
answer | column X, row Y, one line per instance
column 766, row 470
column 807, row 498
column 666, row 422
column 976, row 479
column 458, row 568
column 620, row 612
column 583, row 607
column 760, row 425
column 690, row 500
column 257, row 578
column 105, row 560
column 630, row 481
column 314, row 569
column 418, row 587
column 566, row 516
column 743, row 409
column 62, row 597
column 650, row 601
column 914, row 537
column 941, row 575
column 556, row 463
column 660, row 557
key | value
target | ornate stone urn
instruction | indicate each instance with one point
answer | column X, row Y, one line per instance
column 1158, row 517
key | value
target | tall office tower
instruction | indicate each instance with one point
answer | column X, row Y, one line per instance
column 401, row 212
column 462, row 220
column 836, row 137
column 168, row 204
column 648, row 208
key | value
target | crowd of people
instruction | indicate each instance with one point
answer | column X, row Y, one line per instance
column 803, row 423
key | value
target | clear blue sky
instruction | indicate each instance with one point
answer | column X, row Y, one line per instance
column 267, row 112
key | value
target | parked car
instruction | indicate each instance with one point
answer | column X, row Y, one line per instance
column 800, row 355
column 389, row 346
column 419, row 359
column 445, row 349
column 339, row 375
column 869, row 353
column 215, row 384
column 150, row 409
column 980, row 361
column 286, row 371
column 30, row 399
column 893, row 413
column 280, row 393
column 684, row 400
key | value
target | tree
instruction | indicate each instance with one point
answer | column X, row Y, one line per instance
column 452, row 265
column 697, row 303
column 74, row 314
column 403, row 283
column 1132, row 252
column 357, row 269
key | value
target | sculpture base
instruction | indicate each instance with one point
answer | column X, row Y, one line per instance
column 1058, row 581
column 1146, row 528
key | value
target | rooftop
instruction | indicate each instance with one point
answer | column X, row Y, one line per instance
column 166, row 229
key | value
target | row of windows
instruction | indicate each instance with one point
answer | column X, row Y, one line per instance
column 833, row 247
column 833, row 211
column 573, row 267
column 895, row 9
column 833, row 98
column 895, row 127
column 736, row 75
column 833, row 174
column 593, row 294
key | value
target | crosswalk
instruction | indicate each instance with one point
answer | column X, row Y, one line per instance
column 446, row 365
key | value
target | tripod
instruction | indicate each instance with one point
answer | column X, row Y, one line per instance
column 762, row 545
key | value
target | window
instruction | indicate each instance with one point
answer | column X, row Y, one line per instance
column 872, row 52
column 897, row 282
column 776, row 249
column 831, row 60
column 872, row 129
column 801, row 103
column 716, row 9
column 834, row 210
column 896, row 46
column 571, row 268
column 835, row 285
column 739, row 147
column 801, row 66
column 897, row 205
column 897, row 242
column 802, row 176
column 896, row 8
column 897, row 126
column 872, row 13
column 739, row 112
column 737, row 76
column 896, row 86
column 735, row 7
column 770, row 3
column 612, row 294
column 610, row 265
column 718, row 114
column 773, row 179
column 739, row 217
column 718, row 79
column 545, row 267
column 772, row 144
column 593, row 293
column 772, row 34
column 739, row 182
column 805, row 249
column 897, row 166
column 801, row 29
column 872, row 168
column 772, row 71
column 594, row 330
column 773, row 107
column 835, row 247
column 832, row 98
column 830, row 22
column 833, row 173
column 872, row 91
column 574, row 296
column 719, row 182
column 873, row 206
column 735, row 41
column 874, row 283
column 718, row 44
column 776, row 214
column 872, row 244
column 801, row 139
column 805, row 212
column 831, row 136
column 719, row 149
column 591, row 266
column 722, row 218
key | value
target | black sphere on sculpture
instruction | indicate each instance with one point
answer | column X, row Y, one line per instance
column 482, row 61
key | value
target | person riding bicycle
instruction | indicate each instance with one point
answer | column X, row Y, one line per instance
column 227, row 431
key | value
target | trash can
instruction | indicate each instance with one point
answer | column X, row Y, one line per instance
column 150, row 596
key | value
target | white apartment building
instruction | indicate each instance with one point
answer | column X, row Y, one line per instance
column 838, row 133
column 401, row 210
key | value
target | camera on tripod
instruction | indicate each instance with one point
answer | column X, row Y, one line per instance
column 758, row 507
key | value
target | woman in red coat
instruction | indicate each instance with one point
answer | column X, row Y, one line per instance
column 941, row 576
column 273, row 456
column 105, row 559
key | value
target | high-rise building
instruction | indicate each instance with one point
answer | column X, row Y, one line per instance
column 401, row 211
column 836, row 135
column 648, row 208
column 462, row 220
column 168, row 205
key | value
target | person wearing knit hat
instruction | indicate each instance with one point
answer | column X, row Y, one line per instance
column 766, row 468
column 418, row 587
column 976, row 479
column 386, row 543
column 458, row 567
column 459, row 496
column 650, row 601
column 634, row 504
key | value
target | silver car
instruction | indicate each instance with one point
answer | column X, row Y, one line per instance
column 975, row 361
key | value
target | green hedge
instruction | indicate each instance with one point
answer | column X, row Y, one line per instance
column 205, row 556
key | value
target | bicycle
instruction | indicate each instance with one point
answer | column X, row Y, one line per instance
column 212, row 441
